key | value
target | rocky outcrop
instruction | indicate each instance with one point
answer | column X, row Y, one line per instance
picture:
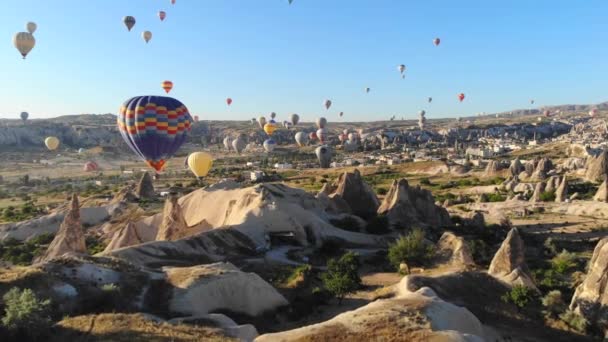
column 410, row 207
column 453, row 250
column 602, row 192
column 596, row 168
column 125, row 237
column 358, row 194
column 552, row 183
column 174, row 224
column 538, row 191
column 125, row 195
column 70, row 237
column 591, row 297
column 510, row 183
column 541, row 170
column 509, row 264
column 203, row 289
column 516, row 167
column 145, row 188
column 475, row 220
column 561, row 194
column 491, row 169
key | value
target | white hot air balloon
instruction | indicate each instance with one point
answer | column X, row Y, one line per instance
column 301, row 139
column 147, row 36
column 321, row 122
column 269, row 145
column 24, row 42
column 31, row 27
column 228, row 143
column 295, row 118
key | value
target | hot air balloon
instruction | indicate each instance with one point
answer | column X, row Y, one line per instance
column 31, row 27
column 422, row 113
column 167, row 86
column 593, row 113
column 24, row 116
column 327, row 104
column 172, row 2
column 200, row 163
column 290, row 1
column 81, row 150
column 352, row 137
column 228, row 143
column 90, row 166
column 262, row 121
column 430, row 99
column 301, row 139
column 324, row 156
column 254, row 121
column 531, row 101
column 321, row 122
column 154, row 127
column 24, row 42
column 341, row 114
column 322, row 135
column 367, row 90
column 273, row 115
column 239, row 144
column 342, row 137
column 269, row 145
column 196, row 118
column 162, row 15
column 547, row 113
column 228, row 101
column 146, row 35
column 295, row 118
column 461, row 97
column 129, row 22
column 401, row 68
column 270, row 127
column 287, row 124
column 51, row 143
column 312, row 136
column 436, row 41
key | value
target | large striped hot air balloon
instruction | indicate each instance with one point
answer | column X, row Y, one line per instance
column 154, row 127
column 167, row 86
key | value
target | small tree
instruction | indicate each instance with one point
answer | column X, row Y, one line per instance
column 563, row 262
column 519, row 295
column 575, row 321
column 411, row 249
column 342, row 275
column 553, row 303
column 25, row 314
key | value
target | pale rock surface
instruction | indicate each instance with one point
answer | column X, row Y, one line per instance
column 596, row 168
column 360, row 197
column 538, row 190
column 516, row 167
column 70, row 237
column 173, row 226
column 543, row 167
column 453, row 250
column 145, row 188
column 491, row 169
column 125, row 237
column 561, row 194
column 552, row 183
column 245, row 332
column 509, row 264
column 602, row 192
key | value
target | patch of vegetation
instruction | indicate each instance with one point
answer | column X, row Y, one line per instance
column 342, row 276
column 480, row 250
column 519, row 295
column 381, row 191
column 22, row 253
column 553, row 303
column 563, row 262
column 27, row 211
column 411, row 249
column 425, row 181
column 547, row 196
column 575, row 321
column 496, row 197
column 94, row 245
column 585, row 190
column 378, row 225
column 26, row 317
column 347, row 223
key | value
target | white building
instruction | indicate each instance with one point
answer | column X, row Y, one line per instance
column 283, row 166
column 256, row 175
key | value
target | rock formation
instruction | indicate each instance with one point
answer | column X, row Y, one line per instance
column 561, row 194
column 124, row 195
column 70, row 237
column 510, row 183
column 145, row 188
column 203, row 289
column 125, row 237
column 516, row 167
column 491, row 169
column 475, row 219
column 174, row 224
column 410, row 207
column 591, row 297
column 538, row 190
column 454, row 250
column 543, row 167
column 597, row 167
column 509, row 264
column 602, row 192
column 358, row 194
column 552, row 184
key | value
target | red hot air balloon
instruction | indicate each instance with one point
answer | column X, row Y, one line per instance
column 172, row 2
column 162, row 15
column 461, row 97
column 437, row 41
column 312, row 136
column 229, row 101
column 167, row 85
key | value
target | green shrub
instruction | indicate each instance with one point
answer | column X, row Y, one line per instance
column 411, row 249
column 382, row 191
column 553, row 303
column 377, row 225
column 519, row 295
column 574, row 321
column 425, row 181
column 496, row 197
column 547, row 196
column 94, row 245
column 550, row 246
column 563, row 262
column 26, row 315
column 342, row 275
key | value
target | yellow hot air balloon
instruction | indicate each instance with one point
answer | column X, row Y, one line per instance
column 51, row 143
column 270, row 127
column 200, row 163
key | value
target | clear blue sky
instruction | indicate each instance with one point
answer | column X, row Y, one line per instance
column 269, row 56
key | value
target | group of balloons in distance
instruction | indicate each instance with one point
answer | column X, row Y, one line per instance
column 130, row 21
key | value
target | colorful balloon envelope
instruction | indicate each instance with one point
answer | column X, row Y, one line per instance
column 146, row 35
column 269, row 145
column 461, row 97
column 129, row 22
column 229, row 101
column 301, row 139
column 312, row 136
column 593, row 113
column 24, row 42
column 321, row 122
column 200, row 163
column 322, row 135
column 51, row 143
column 436, row 41
column 162, row 15
column 154, row 127
column 270, row 127
column 172, row 2
column 167, row 86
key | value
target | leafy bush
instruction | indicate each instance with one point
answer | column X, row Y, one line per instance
column 550, row 246
column 553, row 303
column 480, row 251
column 574, row 321
column 496, row 197
column 377, row 225
column 22, row 253
column 342, row 275
column 547, row 196
column 519, row 295
column 94, row 245
column 382, row 191
column 25, row 315
column 425, row 181
column 411, row 249
column 563, row 262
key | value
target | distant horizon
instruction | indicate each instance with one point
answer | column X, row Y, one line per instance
column 269, row 56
